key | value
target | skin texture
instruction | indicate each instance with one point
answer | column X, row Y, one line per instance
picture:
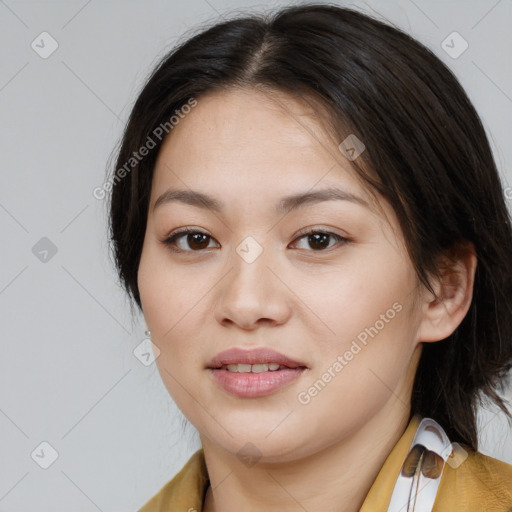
column 248, row 149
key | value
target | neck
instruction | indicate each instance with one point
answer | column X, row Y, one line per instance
column 337, row 478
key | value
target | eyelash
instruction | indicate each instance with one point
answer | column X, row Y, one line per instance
column 170, row 241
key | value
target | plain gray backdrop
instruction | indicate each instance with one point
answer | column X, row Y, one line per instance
column 73, row 396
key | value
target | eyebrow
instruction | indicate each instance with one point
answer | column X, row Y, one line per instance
column 284, row 205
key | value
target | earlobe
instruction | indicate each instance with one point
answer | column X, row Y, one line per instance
column 443, row 313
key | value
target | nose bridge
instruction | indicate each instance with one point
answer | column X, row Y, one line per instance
column 250, row 250
column 250, row 291
column 250, row 260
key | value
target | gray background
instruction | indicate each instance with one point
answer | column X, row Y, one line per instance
column 68, row 373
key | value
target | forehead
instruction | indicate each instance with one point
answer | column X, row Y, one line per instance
column 259, row 138
column 251, row 150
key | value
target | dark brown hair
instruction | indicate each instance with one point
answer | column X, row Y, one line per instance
column 426, row 153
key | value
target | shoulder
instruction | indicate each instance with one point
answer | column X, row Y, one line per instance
column 473, row 482
column 185, row 491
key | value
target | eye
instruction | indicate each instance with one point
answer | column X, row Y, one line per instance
column 317, row 239
column 195, row 239
column 198, row 241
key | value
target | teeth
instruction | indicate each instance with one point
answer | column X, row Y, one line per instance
column 254, row 368
column 259, row 368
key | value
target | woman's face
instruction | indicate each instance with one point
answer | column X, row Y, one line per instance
column 339, row 302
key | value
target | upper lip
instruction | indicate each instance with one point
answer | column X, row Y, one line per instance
column 252, row 356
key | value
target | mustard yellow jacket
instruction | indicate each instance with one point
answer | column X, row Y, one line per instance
column 479, row 484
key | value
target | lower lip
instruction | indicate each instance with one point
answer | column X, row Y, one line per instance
column 253, row 385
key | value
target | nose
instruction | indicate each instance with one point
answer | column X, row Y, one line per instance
column 253, row 293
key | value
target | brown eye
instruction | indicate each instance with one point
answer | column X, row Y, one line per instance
column 195, row 240
column 188, row 240
column 319, row 240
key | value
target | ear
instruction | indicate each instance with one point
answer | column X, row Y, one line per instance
column 443, row 313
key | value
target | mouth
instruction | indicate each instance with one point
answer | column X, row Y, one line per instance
column 254, row 360
column 255, row 368
column 253, row 373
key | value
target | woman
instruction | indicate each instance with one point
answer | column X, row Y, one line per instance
column 307, row 212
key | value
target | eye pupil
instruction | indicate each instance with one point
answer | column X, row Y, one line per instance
column 318, row 240
column 196, row 238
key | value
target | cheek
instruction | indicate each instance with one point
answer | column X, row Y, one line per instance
column 363, row 369
column 365, row 296
column 167, row 304
column 165, row 295
column 174, row 311
column 374, row 320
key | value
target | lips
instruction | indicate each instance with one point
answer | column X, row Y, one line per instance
column 253, row 373
column 253, row 356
